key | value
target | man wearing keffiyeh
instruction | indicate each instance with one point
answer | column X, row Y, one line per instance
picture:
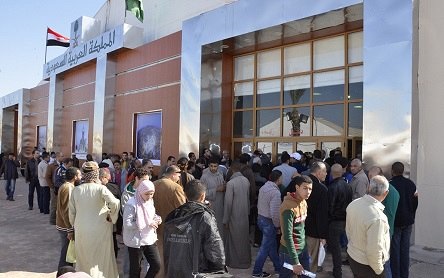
column 92, row 211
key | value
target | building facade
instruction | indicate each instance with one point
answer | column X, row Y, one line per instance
column 239, row 75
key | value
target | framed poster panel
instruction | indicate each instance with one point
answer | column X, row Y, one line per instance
column 148, row 135
column 41, row 138
column 80, row 135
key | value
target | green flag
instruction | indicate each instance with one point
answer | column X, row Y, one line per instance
column 136, row 7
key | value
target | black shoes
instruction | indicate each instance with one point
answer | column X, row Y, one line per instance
column 29, row 208
column 263, row 274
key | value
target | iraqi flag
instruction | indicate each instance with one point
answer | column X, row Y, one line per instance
column 55, row 39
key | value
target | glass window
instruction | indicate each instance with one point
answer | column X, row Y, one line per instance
column 306, row 146
column 355, row 119
column 328, row 86
column 268, row 93
column 244, row 67
column 266, row 147
column 328, row 120
column 297, row 90
column 243, row 124
column 243, row 95
column 297, row 58
column 284, row 146
column 242, row 147
column 268, row 123
column 269, row 63
column 294, row 125
column 355, row 82
column 355, row 47
column 328, row 53
column 329, row 146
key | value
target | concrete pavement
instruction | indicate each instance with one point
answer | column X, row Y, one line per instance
column 29, row 245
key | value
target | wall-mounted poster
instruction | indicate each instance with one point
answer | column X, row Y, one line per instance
column 41, row 137
column 80, row 144
column 148, row 128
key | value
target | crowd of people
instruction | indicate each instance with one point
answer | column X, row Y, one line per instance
column 196, row 214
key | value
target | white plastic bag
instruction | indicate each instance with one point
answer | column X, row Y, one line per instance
column 321, row 254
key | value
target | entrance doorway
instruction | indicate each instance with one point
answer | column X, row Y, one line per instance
column 350, row 148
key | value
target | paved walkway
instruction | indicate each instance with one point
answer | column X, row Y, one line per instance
column 29, row 245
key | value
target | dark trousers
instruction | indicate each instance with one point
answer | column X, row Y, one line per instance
column 362, row 270
column 44, row 199
column 53, row 206
column 304, row 260
column 64, row 241
column 335, row 230
column 34, row 185
column 116, row 247
column 399, row 251
column 152, row 256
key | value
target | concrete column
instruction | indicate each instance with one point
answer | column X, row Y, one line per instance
column 103, row 122
column 55, row 112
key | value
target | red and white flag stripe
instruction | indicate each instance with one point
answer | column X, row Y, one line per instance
column 54, row 38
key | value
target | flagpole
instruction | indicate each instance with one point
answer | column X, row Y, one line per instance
column 124, row 15
column 46, row 43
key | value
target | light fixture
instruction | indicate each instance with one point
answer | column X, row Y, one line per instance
column 288, row 115
column 303, row 118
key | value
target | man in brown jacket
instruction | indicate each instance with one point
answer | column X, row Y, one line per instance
column 169, row 196
column 73, row 177
column 50, row 175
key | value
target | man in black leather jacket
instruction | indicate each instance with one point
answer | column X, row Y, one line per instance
column 31, row 175
column 339, row 196
column 192, row 220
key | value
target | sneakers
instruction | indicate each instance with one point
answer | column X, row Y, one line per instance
column 263, row 274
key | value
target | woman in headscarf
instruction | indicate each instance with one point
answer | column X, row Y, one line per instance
column 140, row 222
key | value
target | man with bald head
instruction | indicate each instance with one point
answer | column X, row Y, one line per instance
column 359, row 182
column 390, row 206
column 339, row 197
column 368, row 231
column 316, row 224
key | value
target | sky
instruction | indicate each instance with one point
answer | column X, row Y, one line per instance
column 23, row 37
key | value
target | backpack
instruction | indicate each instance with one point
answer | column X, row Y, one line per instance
column 59, row 178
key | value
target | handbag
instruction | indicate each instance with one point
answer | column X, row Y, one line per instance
column 71, row 252
column 216, row 274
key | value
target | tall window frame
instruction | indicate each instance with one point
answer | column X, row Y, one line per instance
column 260, row 82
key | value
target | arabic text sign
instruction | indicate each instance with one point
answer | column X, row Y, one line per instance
column 105, row 43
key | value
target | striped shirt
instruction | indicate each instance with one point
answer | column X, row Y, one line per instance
column 269, row 202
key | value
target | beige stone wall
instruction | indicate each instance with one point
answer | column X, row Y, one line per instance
column 428, row 115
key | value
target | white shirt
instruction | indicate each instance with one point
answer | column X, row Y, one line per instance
column 41, row 171
column 287, row 173
column 368, row 233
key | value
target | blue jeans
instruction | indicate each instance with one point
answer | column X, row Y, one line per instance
column 268, row 246
column 10, row 188
column 400, row 248
column 304, row 260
